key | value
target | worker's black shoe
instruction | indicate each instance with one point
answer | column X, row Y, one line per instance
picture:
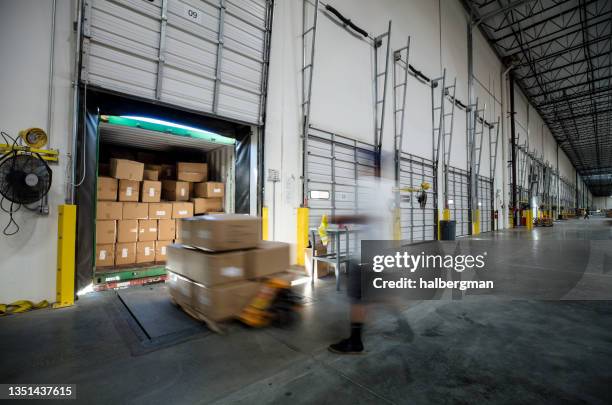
column 347, row 346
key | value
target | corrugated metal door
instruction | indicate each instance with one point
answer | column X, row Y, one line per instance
column 458, row 195
column 417, row 223
column 337, row 167
column 207, row 56
column 485, row 203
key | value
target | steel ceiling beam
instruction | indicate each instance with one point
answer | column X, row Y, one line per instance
column 493, row 13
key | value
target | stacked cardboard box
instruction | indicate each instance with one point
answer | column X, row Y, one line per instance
column 215, row 272
column 138, row 207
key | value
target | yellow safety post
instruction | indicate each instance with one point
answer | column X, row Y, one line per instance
column 264, row 223
column 529, row 219
column 476, row 222
column 66, row 245
column 302, row 234
column 397, row 224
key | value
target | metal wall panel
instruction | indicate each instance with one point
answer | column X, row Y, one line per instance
column 121, row 45
column 338, row 166
column 417, row 223
column 485, row 203
column 203, row 55
column 458, row 195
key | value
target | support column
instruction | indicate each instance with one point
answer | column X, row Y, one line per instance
column 474, row 216
column 514, row 207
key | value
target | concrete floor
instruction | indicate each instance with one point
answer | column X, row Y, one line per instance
column 478, row 350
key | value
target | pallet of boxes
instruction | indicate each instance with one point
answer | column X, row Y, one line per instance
column 138, row 208
column 220, row 266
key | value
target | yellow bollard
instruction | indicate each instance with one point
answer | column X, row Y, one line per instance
column 302, row 234
column 66, row 254
column 529, row 220
column 264, row 223
column 476, row 222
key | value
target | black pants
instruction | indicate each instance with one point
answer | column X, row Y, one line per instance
column 354, row 279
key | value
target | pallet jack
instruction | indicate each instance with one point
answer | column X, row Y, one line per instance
column 275, row 304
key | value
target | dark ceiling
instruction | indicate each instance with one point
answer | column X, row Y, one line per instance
column 562, row 53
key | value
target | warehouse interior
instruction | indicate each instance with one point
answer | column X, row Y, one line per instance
column 203, row 177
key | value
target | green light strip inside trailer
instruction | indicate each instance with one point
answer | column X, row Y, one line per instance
column 168, row 129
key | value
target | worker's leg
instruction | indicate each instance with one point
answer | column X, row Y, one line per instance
column 353, row 343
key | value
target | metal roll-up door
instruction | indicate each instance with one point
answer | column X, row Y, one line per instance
column 417, row 223
column 337, row 169
column 485, row 203
column 204, row 55
column 458, row 196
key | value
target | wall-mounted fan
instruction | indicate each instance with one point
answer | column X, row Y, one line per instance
column 25, row 178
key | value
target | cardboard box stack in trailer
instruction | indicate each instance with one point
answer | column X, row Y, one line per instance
column 192, row 172
column 124, row 169
column 129, row 190
column 209, row 189
column 139, row 203
column 206, row 205
column 150, row 191
column 107, row 189
column 218, row 267
column 173, row 190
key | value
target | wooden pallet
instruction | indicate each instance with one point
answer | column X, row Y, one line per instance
column 198, row 316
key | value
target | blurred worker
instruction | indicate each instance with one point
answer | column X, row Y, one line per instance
column 375, row 223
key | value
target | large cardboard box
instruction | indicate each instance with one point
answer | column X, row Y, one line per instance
column 206, row 268
column 126, row 169
column 160, row 210
column 149, row 174
column 215, row 303
column 150, row 191
column 109, row 210
column 125, row 253
column 268, row 258
column 107, row 189
column 129, row 190
column 210, row 189
column 161, row 247
column 221, row 232
column 166, row 229
column 106, row 232
column 182, row 210
column 147, row 230
column 105, row 255
column 145, row 252
column 127, row 230
column 135, row 210
column 204, row 205
column 173, row 190
column 192, row 172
